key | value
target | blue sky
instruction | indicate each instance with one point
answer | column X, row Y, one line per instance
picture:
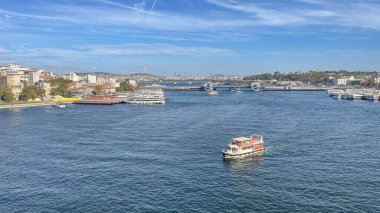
column 191, row 36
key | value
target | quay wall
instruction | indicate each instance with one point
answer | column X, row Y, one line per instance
column 10, row 106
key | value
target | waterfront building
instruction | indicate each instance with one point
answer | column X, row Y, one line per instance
column 109, row 89
column 33, row 77
column 47, row 76
column 46, row 86
column 73, row 77
column 132, row 82
column 13, row 81
column 91, row 79
column 14, row 68
column 100, row 81
column 110, row 80
column 340, row 82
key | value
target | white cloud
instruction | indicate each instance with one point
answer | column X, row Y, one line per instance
column 156, row 49
column 117, row 50
column 359, row 14
column 311, row 1
column 316, row 53
column 237, row 16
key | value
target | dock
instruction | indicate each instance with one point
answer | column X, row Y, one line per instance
column 98, row 100
column 95, row 102
column 176, row 88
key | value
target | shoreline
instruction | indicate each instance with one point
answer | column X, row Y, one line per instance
column 24, row 105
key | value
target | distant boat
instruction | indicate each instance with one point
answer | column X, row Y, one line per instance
column 235, row 89
column 60, row 105
column 211, row 90
column 212, row 93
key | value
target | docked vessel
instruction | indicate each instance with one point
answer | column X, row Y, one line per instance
column 244, row 146
column 147, row 97
column 373, row 97
column 355, row 96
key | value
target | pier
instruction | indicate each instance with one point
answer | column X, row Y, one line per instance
column 294, row 89
column 99, row 100
column 178, row 88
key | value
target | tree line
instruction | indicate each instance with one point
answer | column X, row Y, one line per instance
column 59, row 86
column 314, row 77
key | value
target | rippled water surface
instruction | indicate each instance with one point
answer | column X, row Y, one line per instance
column 323, row 155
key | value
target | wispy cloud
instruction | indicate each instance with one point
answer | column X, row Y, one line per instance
column 239, row 15
column 84, row 30
column 317, row 53
column 311, row 1
column 157, row 49
column 138, row 7
column 359, row 14
column 117, row 50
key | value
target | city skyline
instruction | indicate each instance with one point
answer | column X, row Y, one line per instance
column 191, row 37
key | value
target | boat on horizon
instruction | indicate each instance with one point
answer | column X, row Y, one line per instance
column 212, row 93
column 244, row 146
column 235, row 89
column 60, row 105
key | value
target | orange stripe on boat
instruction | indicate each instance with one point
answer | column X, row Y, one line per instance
column 259, row 147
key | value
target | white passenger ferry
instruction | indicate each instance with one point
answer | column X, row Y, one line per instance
column 244, row 146
column 147, row 97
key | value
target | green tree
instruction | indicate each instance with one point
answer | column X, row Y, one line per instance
column 6, row 94
column 369, row 84
column 60, row 87
column 125, row 86
column 31, row 92
column 98, row 89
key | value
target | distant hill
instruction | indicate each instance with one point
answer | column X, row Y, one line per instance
column 133, row 75
column 217, row 76
column 143, row 75
column 97, row 73
column 314, row 77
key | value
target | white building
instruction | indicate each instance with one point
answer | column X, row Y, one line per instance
column 91, row 79
column 100, row 81
column 340, row 82
column 132, row 82
column 110, row 80
column 33, row 77
column 74, row 77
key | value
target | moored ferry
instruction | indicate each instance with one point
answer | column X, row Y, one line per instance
column 147, row 97
column 244, row 146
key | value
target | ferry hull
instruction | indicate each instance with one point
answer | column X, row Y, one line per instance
column 242, row 155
